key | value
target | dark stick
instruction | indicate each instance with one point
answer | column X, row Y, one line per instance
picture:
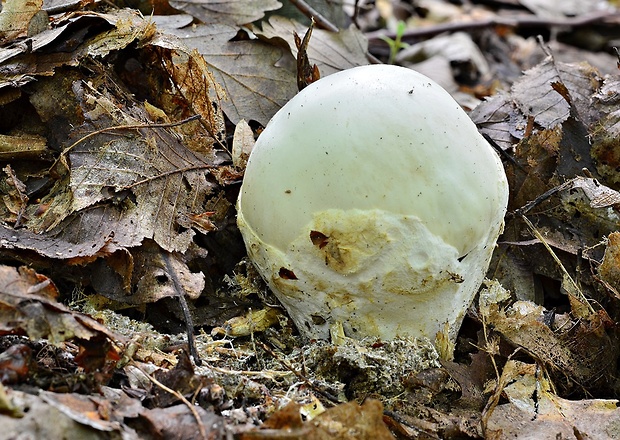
column 515, row 22
column 189, row 323
column 310, row 12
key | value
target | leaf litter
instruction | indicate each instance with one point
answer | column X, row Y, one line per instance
column 123, row 143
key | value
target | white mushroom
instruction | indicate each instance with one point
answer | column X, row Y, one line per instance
column 371, row 201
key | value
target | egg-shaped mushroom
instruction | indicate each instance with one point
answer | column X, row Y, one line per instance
column 371, row 201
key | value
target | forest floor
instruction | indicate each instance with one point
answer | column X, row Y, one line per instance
column 128, row 306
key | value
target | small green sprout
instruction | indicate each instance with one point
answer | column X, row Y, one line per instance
column 396, row 44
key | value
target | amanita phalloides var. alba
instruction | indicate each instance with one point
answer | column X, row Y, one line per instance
column 370, row 200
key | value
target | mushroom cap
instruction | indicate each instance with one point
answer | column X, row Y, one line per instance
column 368, row 198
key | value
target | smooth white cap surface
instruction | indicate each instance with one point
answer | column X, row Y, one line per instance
column 371, row 200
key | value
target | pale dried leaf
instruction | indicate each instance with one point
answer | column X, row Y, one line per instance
column 455, row 48
column 167, row 179
column 577, row 350
column 243, row 142
column 129, row 27
column 102, row 415
column 534, row 103
column 534, row 95
column 600, row 196
column 29, row 307
column 606, row 100
column 257, row 77
column 15, row 18
column 60, row 247
column 45, row 420
column 331, row 52
column 535, row 412
column 230, row 12
column 153, row 281
column 589, row 205
column 497, row 118
column 177, row 21
column 569, row 8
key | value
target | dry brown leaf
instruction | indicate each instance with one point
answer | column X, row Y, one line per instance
column 197, row 86
column 50, row 419
column 23, row 147
column 29, row 308
column 230, row 12
column 152, row 281
column 63, row 247
column 246, row 325
column 535, row 412
column 606, row 131
column 347, row 421
column 33, row 62
column 609, row 270
column 15, row 18
column 504, row 117
column 496, row 117
column 350, row 421
column 581, row 350
column 178, row 421
column 103, row 416
column 331, row 52
column 14, row 198
column 129, row 27
column 31, row 65
column 258, row 78
column 166, row 178
column 534, row 95
column 288, row 418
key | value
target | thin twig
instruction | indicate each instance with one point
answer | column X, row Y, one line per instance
column 503, row 153
column 494, row 399
column 419, row 430
column 356, row 13
column 263, row 374
column 539, row 236
column 189, row 324
column 167, row 173
column 120, row 127
column 513, row 22
column 192, row 408
column 544, row 196
column 310, row 12
column 299, row 375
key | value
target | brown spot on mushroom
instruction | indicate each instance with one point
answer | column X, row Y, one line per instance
column 287, row 274
column 319, row 239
